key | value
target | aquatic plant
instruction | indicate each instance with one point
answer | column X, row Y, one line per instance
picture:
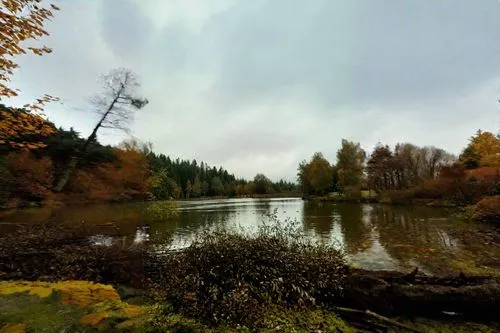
column 161, row 210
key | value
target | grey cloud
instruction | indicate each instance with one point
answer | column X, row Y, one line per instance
column 358, row 52
column 125, row 28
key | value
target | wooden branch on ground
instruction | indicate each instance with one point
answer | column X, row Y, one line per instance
column 378, row 317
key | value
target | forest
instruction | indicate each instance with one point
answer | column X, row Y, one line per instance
column 34, row 153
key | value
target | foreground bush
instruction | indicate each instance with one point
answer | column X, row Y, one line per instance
column 232, row 278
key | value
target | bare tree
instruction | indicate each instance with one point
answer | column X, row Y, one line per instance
column 115, row 106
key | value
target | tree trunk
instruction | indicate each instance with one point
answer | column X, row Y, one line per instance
column 66, row 175
column 392, row 293
column 70, row 168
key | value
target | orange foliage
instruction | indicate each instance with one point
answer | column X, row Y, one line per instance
column 487, row 174
column 488, row 147
column 18, row 128
column 488, row 209
column 20, row 21
column 128, row 177
column 132, row 172
column 32, row 177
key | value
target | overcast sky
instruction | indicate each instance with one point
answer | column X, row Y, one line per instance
column 257, row 86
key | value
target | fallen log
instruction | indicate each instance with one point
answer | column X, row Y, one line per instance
column 393, row 293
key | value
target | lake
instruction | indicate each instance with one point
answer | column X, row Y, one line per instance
column 373, row 236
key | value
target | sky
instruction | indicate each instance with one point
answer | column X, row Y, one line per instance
column 257, row 86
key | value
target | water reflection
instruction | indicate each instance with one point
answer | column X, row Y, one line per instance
column 414, row 235
column 101, row 240
column 142, row 234
column 356, row 228
column 318, row 217
column 373, row 236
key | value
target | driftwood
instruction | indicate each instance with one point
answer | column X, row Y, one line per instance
column 372, row 321
column 392, row 293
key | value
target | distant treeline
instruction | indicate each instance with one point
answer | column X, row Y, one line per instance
column 408, row 172
column 188, row 179
column 34, row 155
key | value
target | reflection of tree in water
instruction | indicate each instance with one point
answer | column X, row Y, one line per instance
column 356, row 228
column 189, row 223
column 106, row 219
column 414, row 234
column 318, row 217
column 263, row 206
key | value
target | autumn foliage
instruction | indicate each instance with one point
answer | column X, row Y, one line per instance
column 31, row 176
column 20, row 129
column 20, row 21
column 124, row 179
column 482, row 150
column 32, row 152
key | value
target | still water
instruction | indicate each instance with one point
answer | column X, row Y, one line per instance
column 372, row 236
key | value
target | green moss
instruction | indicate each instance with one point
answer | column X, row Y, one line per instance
column 46, row 314
column 275, row 320
column 466, row 213
column 302, row 321
column 470, row 267
column 162, row 320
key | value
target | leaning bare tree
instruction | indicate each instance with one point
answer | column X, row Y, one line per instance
column 115, row 107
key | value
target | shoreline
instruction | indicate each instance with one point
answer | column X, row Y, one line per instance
column 412, row 202
column 74, row 202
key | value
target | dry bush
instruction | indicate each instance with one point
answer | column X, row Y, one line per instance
column 486, row 174
column 488, row 210
column 433, row 189
column 226, row 277
column 398, row 196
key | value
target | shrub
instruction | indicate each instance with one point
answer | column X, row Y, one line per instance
column 231, row 278
column 397, row 196
column 432, row 189
column 488, row 210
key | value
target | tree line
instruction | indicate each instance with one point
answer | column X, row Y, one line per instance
column 188, row 179
column 400, row 168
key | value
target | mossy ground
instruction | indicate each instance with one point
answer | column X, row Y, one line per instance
column 68, row 306
column 80, row 306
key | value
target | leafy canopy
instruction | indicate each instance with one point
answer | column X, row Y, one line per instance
column 21, row 21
